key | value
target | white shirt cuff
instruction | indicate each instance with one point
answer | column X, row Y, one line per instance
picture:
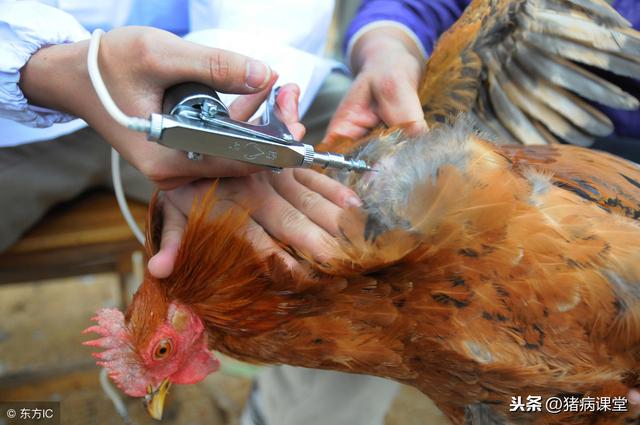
column 378, row 24
column 25, row 27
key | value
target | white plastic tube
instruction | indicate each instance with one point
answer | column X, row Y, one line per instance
column 122, row 201
column 132, row 123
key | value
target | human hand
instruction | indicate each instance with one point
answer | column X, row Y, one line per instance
column 138, row 64
column 297, row 207
column 388, row 67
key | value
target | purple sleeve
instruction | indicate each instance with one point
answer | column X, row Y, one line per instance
column 630, row 9
column 426, row 18
column 627, row 123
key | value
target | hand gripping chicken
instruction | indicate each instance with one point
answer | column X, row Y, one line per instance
column 476, row 271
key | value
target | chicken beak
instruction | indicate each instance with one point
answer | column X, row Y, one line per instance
column 154, row 400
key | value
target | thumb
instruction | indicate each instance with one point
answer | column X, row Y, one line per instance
column 174, row 223
column 287, row 109
column 355, row 116
column 400, row 106
column 220, row 69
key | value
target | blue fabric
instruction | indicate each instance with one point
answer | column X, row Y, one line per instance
column 630, row 9
column 627, row 123
column 170, row 15
column 428, row 19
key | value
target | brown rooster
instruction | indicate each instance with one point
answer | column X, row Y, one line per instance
column 475, row 272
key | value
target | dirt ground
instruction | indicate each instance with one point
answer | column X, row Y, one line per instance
column 41, row 358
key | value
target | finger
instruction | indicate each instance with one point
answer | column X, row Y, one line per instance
column 278, row 217
column 288, row 99
column 173, row 182
column 287, row 103
column 245, row 106
column 297, row 130
column 354, row 117
column 221, row 69
column 174, row 223
column 255, row 234
column 398, row 103
column 290, row 226
column 169, row 168
column 316, row 207
column 330, row 189
column 263, row 243
column 183, row 196
column 287, row 110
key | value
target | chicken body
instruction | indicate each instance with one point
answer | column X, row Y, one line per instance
column 474, row 272
column 481, row 274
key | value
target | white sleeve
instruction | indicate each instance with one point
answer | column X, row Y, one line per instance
column 25, row 27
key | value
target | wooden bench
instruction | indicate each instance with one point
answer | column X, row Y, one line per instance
column 84, row 236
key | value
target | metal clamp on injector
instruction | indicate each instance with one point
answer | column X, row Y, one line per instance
column 196, row 121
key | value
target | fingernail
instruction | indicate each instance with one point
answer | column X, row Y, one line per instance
column 292, row 105
column 258, row 74
column 353, row 202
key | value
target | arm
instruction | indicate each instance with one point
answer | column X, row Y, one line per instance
column 138, row 64
column 387, row 43
column 423, row 21
column 44, row 80
column 25, row 27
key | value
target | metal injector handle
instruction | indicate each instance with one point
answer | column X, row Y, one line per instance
column 196, row 121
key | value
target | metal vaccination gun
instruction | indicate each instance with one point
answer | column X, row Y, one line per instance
column 195, row 120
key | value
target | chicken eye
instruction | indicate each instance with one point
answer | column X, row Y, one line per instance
column 163, row 349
